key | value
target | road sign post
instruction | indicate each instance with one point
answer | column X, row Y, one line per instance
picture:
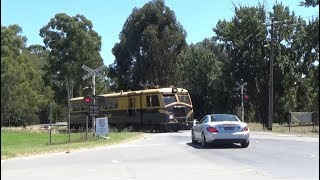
column 93, row 73
column 242, row 88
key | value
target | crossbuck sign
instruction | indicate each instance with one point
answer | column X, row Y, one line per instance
column 92, row 71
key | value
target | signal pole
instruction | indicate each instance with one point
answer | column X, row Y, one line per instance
column 242, row 88
column 93, row 73
column 94, row 102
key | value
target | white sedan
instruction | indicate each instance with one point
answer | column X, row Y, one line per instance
column 220, row 128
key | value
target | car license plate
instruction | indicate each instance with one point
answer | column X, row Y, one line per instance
column 229, row 128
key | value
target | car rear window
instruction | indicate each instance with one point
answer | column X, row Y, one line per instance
column 223, row 117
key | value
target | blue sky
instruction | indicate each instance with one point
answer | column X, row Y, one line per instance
column 108, row 16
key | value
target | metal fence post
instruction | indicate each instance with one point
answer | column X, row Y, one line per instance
column 50, row 122
column 313, row 120
column 289, row 120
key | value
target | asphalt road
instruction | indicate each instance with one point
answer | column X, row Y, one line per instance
column 171, row 156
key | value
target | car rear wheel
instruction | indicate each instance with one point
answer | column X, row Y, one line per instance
column 203, row 140
column 245, row 144
column 193, row 139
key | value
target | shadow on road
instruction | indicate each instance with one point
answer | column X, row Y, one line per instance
column 215, row 146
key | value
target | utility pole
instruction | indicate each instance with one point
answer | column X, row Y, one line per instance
column 270, row 116
column 242, row 106
column 273, row 25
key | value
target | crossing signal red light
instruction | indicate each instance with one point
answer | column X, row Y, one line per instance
column 87, row 99
column 245, row 97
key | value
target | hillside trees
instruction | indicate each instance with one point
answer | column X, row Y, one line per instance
column 150, row 42
column 23, row 92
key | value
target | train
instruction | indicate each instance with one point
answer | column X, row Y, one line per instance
column 157, row 109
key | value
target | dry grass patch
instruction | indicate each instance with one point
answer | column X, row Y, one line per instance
column 301, row 130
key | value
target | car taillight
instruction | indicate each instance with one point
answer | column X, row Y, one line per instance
column 212, row 129
column 245, row 128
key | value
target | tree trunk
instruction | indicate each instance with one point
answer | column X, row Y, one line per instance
column 69, row 85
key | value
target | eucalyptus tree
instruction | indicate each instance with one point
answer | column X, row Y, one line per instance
column 308, row 3
column 150, row 43
column 296, row 50
column 244, row 38
column 201, row 74
column 72, row 42
column 298, row 61
column 296, row 55
column 23, row 92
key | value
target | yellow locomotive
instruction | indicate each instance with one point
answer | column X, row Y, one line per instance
column 160, row 109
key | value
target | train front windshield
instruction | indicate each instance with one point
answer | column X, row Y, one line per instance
column 168, row 99
column 184, row 99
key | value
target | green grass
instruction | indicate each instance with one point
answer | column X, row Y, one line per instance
column 17, row 143
column 301, row 130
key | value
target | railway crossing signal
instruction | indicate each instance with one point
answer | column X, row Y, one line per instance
column 245, row 98
column 87, row 99
column 242, row 88
column 93, row 73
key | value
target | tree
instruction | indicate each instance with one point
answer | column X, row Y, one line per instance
column 308, row 3
column 23, row 93
column 303, row 77
column 72, row 42
column 201, row 74
column 296, row 54
column 244, row 38
column 150, row 43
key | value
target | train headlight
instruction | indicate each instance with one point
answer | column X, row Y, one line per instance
column 171, row 116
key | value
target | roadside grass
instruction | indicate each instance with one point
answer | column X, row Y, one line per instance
column 300, row 130
column 20, row 142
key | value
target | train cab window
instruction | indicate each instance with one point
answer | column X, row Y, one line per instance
column 168, row 99
column 153, row 101
column 184, row 99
